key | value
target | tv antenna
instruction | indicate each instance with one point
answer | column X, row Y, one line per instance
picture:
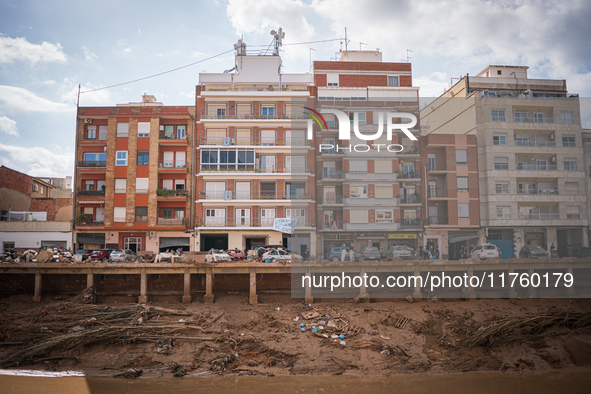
column 408, row 57
column 361, row 43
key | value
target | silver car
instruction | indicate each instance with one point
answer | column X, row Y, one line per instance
column 485, row 251
column 122, row 255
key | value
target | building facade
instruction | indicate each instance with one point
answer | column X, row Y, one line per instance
column 367, row 195
column 254, row 162
column 133, row 177
column 532, row 185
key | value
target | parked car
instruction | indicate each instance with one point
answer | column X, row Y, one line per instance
column 101, row 254
column 236, row 254
column 122, row 255
column 269, row 247
column 533, row 252
column 401, row 252
column 335, row 254
column 485, row 251
column 84, row 252
column 216, row 255
column 281, row 255
column 370, row 253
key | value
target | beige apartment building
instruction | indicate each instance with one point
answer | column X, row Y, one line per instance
column 254, row 161
column 532, row 184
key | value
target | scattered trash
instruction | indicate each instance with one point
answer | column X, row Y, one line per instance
column 343, row 343
column 342, row 336
column 384, row 337
column 410, row 299
column 401, row 322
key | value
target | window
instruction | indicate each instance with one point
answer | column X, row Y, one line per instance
column 243, row 109
column 141, row 214
column 360, row 115
column 122, row 129
column 121, row 158
column 384, row 192
column 295, row 163
column 96, row 158
column 393, row 80
column 498, row 115
column 215, row 217
column 461, row 156
column 358, row 192
column 268, row 137
column 243, row 137
column 358, row 216
column 501, row 163
column 227, row 159
column 382, row 166
column 119, row 214
column 570, row 164
column 503, row 212
column 327, row 146
column 267, row 217
column 297, row 214
column 168, row 132
column 571, row 187
column 358, row 166
column 520, row 117
column 181, row 132
column 220, row 111
column 143, row 158
column 431, row 166
column 91, row 132
column 103, row 132
column 538, row 117
column 332, row 79
column 572, row 212
column 268, row 110
column 462, row 182
column 7, row 246
column 143, row 129
column 141, row 185
column 167, row 159
column 120, row 185
column 463, row 211
column 180, row 160
column 88, row 185
column 567, row 118
column 384, row 216
column 216, row 109
column 568, row 140
column 215, row 190
column 500, row 139
column 502, row 188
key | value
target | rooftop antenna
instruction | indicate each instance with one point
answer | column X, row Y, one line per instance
column 278, row 37
column 408, row 57
column 346, row 41
column 361, row 43
column 311, row 49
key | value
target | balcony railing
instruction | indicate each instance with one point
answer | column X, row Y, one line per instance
column 536, row 167
column 172, row 165
column 438, row 220
column 228, row 141
column 164, row 136
column 539, row 216
column 171, row 193
column 532, row 119
column 333, row 225
column 172, row 221
column 92, row 163
column 410, row 199
column 331, row 173
column 331, row 198
column 249, row 222
column 410, row 223
column 90, row 193
column 535, row 143
column 253, row 116
column 253, row 196
column 90, row 223
column 538, row 191
column 412, row 174
column 410, row 150
column 252, row 168
column 435, row 193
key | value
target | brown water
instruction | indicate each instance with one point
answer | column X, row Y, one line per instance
column 474, row 382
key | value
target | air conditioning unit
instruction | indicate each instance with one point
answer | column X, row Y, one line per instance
column 161, row 127
column 228, row 195
column 35, row 188
column 88, row 120
column 226, row 141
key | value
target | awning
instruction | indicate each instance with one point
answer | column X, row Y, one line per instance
column 90, row 238
column 462, row 236
column 167, row 242
column 90, row 202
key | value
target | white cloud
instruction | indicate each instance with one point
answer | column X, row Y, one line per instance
column 432, row 85
column 8, row 126
column 18, row 99
column 88, row 56
column 37, row 161
column 19, row 49
column 96, row 98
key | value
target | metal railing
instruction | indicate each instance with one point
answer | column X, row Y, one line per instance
column 537, row 191
column 329, row 173
column 410, row 199
column 249, row 222
column 438, row 220
column 257, row 169
column 331, row 198
column 536, row 167
column 412, row 174
column 539, row 216
column 162, row 135
column 436, row 193
column 253, row 116
column 89, row 193
column 532, row 119
column 410, row 223
column 92, row 163
column 333, row 225
column 253, row 196
column 172, row 221
column 171, row 165
column 535, row 143
column 228, row 141
column 409, row 150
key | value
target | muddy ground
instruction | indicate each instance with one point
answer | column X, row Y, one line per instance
column 380, row 338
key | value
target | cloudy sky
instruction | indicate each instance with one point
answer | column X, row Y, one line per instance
column 49, row 47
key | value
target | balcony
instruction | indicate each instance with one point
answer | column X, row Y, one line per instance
column 410, row 150
column 253, row 116
column 331, row 198
column 331, row 173
column 228, row 141
column 521, row 142
column 171, row 193
column 411, row 199
column 252, row 169
column 90, row 193
column 409, row 223
column 333, row 225
column 171, row 137
column 248, row 222
column 533, row 119
column 226, row 195
column 90, row 223
column 538, row 191
column 412, row 174
column 437, row 193
column 435, row 220
column 92, row 163
column 171, row 165
column 172, row 221
column 539, row 216
column 536, row 167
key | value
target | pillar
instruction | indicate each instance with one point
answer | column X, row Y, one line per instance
column 143, row 298
column 470, row 292
column 37, row 295
column 314, row 247
column 362, row 289
column 417, row 295
column 531, row 290
column 89, row 280
column 253, row 287
column 187, row 288
column 570, row 291
column 508, row 279
column 208, row 299
column 308, row 289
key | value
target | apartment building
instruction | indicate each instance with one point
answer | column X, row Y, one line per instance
column 532, row 185
column 133, row 176
column 449, row 164
column 34, row 212
column 367, row 195
column 254, row 161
